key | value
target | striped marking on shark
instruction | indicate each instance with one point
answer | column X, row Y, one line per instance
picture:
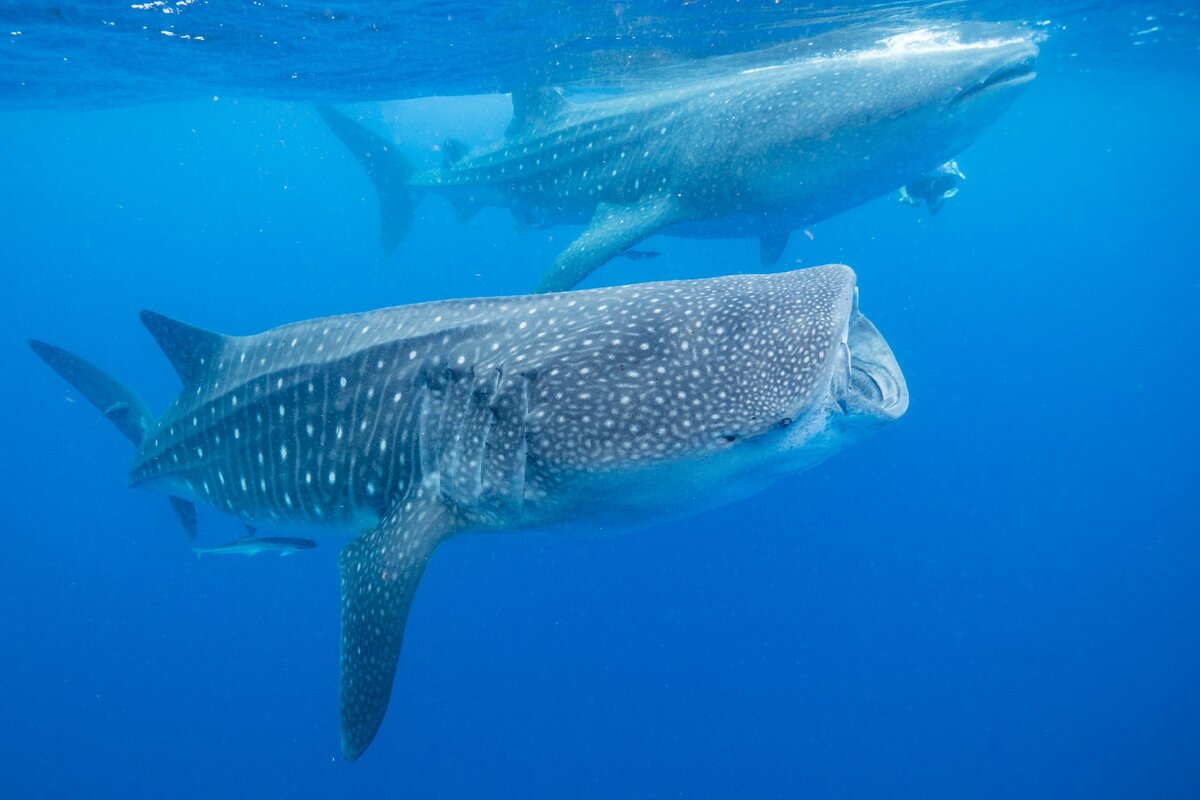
column 403, row 426
column 752, row 153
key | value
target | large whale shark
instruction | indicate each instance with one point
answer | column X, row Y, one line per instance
column 754, row 152
column 403, row 426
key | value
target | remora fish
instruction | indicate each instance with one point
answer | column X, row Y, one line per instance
column 404, row 426
column 753, row 153
column 252, row 545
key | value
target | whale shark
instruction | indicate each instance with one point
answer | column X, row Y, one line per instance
column 751, row 152
column 400, row 427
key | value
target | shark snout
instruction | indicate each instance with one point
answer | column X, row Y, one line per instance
column 1011, row 67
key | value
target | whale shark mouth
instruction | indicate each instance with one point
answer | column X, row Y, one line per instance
column 874, row 384
column 1009, row 76
column 877, row 387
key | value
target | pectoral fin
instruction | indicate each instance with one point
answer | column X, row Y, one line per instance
column 613, row 230
column 380, row 571
column 465, row 205
column 185, row 511
column 771, row 247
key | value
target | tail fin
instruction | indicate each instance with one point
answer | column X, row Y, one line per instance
column 387, row 169
column 117, row 403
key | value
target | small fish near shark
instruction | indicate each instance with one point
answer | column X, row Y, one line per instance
column 756, row 152
column 639, row 255
column 252, row 544
column 404, row 426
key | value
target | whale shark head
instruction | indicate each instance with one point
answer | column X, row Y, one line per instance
column 954, row 75
column 967, row 86
column 934, row 85
column 870, row 119
column 736, row 382
column 859, row 387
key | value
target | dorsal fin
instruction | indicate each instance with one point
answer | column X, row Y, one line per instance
column 190, row 350
column 532, row 107
column 452, row 152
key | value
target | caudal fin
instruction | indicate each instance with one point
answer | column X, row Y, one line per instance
column 117, row 402
column 387, row 169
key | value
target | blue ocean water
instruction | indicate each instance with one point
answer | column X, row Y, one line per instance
column 995, row 597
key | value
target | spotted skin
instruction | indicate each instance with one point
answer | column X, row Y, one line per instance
column 380, row 572
column 406, row 425
column 752, row 153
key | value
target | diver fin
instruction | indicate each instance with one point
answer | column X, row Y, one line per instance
column 613, row 230
column 771, row 247
column 387, row 169
column 380, row 571
column 117, row 402
column 185, row 510
column 532, row 107
column 452, row 152
column 935, row 203
column 190, row 350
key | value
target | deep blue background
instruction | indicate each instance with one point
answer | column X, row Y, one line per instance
column 996, row 597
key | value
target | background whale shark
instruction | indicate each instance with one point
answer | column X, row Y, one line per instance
column 748, row 152
column 403, row 426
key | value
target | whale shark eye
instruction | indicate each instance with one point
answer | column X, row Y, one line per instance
column 728, row 438
column 785, row 422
